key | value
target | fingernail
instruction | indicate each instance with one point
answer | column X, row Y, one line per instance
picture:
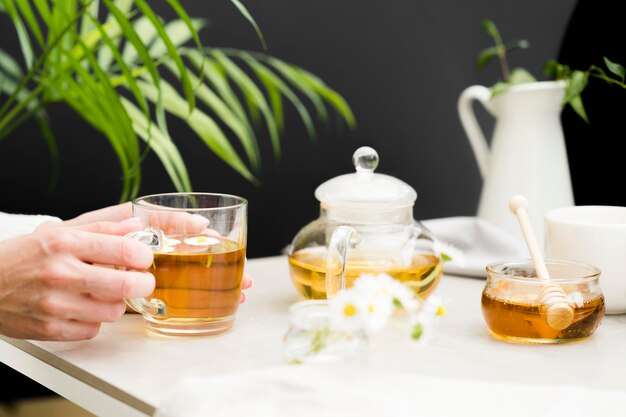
column 242, row 298
column 201, row 219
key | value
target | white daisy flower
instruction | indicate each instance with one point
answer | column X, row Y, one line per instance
column 433, row 306
column 348, row 310
column 449, row 252
column 201, row 241
column 168, row 245
column 382, row 285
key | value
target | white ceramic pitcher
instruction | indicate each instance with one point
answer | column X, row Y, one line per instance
column 527, row 154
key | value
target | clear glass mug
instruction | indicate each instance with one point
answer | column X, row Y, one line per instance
column 199, row 244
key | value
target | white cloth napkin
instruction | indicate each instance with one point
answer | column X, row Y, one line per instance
column 480, row 241
column 343, row 391
column 12, row 225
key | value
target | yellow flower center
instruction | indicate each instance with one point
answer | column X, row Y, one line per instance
column 201, row 239
column 441, row 310
column 349, row 310
column 371, row 308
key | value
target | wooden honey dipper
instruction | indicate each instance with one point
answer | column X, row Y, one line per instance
column 555, row 307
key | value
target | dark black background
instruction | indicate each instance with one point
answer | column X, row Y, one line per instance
column 400, row 64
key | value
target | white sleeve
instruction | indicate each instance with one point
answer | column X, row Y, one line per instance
column 12, row 225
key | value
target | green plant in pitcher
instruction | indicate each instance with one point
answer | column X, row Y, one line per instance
column 576, row 80
column 113, row 63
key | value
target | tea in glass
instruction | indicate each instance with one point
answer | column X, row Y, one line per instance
column 199, row 241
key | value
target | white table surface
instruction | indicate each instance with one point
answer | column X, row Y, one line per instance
column 127, row 371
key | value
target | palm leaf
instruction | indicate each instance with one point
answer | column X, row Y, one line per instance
column 22, row 34
column 271, row 80
column 244, row 11
column 240, row 127
column 162, row 145
column 201, row 123
column 171, row 49
column 252, row 93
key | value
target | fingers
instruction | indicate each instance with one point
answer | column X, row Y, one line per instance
column 115, row 213
column 100, row 243
column 246, row 281
column 24, row 327
column 176, row 222
column 110, row 283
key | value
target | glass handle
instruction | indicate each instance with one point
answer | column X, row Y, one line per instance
column 155, row 308
column 343, row 238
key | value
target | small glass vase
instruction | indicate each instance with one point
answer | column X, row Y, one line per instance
column 311, row 338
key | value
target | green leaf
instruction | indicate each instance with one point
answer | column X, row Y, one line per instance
column 330, row 95
column 252, row 94
column 499, row 88
column 417, row 332
column 22, row 34
column 242, row 9
column 10, row 65
column 171, row 49
column 296, row 78
column 119, row 128
column 129, row 78
column 240, row 127
column 445, row 257
column 179, row 34
column 490, row 28
column 517, row 44
column 216, row 76
column 131, row 36
column 485, row 56
column 162, row 145
column 615, row 68
column 551, row 68
column 30, row 19
column 86, row 24
column 521, row 76
column 202, row 124
column 575, row 85
column 44, row 10
column 270, row 79
column 577, row 104
column 146, row 32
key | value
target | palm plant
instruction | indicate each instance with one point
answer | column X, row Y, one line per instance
column 111, row 60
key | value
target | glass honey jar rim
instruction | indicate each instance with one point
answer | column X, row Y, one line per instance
column 592, row 272
column 309, row 314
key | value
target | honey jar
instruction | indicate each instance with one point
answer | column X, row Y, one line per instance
column 512, row 302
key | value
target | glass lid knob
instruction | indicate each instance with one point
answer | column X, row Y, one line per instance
column 365, row 159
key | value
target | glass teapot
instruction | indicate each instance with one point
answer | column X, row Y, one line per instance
column 366, row 226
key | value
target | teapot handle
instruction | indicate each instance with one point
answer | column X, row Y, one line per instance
column 470, row 124
column 343, row 238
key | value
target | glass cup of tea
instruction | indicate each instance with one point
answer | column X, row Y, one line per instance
column 516, row 308
column 199, row 244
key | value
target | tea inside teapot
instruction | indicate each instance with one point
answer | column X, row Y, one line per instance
column 366, row 226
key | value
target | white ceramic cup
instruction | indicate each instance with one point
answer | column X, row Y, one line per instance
column 594, row 235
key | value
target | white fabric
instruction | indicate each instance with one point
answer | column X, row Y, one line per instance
column 12, row 225
column 480, row 241
column 341, row 391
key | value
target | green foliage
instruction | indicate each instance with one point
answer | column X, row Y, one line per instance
column 576, row 80
column 109, row 60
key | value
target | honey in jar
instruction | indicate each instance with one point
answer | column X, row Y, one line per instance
column 511, row 307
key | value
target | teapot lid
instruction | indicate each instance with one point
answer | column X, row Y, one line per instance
column 364, row 187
